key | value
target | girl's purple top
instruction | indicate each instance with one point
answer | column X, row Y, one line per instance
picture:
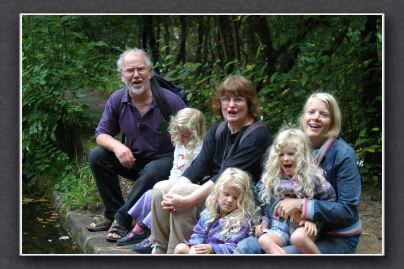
column 212, row 234
column 289, row 188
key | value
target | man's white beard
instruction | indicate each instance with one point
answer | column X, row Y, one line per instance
column 137, row 91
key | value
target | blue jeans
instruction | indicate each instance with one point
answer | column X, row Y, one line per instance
column 327, row 244
column 249, row 245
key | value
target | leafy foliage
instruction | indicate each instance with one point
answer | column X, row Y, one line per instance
column 79, row 189
column 286, row 57
column 57, row 66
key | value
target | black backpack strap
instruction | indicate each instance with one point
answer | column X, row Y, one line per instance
column 219, row 130
column 117, row 108
column 160, row 98
column 251, row 128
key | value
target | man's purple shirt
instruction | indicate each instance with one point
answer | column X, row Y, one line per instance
column 142, row 134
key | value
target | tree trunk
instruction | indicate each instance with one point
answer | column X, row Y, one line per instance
column 252, row 44
column 200, row 39
column 226, row 40
column 372, row 87
column 149, row 27
column 209, row 54
column 181, row 56
column 167, row 34
column 236, row 40
column 287, row 55
column 264, row 34
column 145, row 32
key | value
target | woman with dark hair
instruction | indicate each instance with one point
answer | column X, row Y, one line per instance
column 237, row 142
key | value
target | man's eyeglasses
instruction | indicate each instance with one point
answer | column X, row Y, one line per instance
column 236, row 100
column 130, row 71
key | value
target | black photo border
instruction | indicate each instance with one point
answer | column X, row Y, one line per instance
column 10, row 113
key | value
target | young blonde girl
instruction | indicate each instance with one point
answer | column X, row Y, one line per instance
column 187, row 130
column 227, row 218
column 290, row 172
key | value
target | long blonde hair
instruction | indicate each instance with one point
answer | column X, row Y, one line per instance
column 246, row 209
column 304, row 173
column 192, row 121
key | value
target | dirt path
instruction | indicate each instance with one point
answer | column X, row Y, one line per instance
column 370, row 209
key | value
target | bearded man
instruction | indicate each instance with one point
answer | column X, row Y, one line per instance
column 145, row 155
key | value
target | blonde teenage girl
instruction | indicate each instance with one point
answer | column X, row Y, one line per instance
column 291, row 172
column 187, row 130
column 227, row 218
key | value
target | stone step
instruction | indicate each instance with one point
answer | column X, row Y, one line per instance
column 88, row 242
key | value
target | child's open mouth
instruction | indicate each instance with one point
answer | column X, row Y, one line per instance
column 288, row 170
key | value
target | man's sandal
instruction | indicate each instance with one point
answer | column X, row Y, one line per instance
column 99, row 223
column 116, row 229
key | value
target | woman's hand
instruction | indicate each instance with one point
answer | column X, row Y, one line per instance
column 174, row 202
column 309, row 227
column 259, row 229
column 288, row 207
column 201, row 249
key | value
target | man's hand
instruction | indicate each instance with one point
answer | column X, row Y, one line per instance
column 124, row 155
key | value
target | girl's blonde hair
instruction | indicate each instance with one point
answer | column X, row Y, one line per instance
column 333, row 108
column 246, row 210
column 190, row 121
column 305, row 170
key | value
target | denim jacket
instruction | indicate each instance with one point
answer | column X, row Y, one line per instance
column 339, row 217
